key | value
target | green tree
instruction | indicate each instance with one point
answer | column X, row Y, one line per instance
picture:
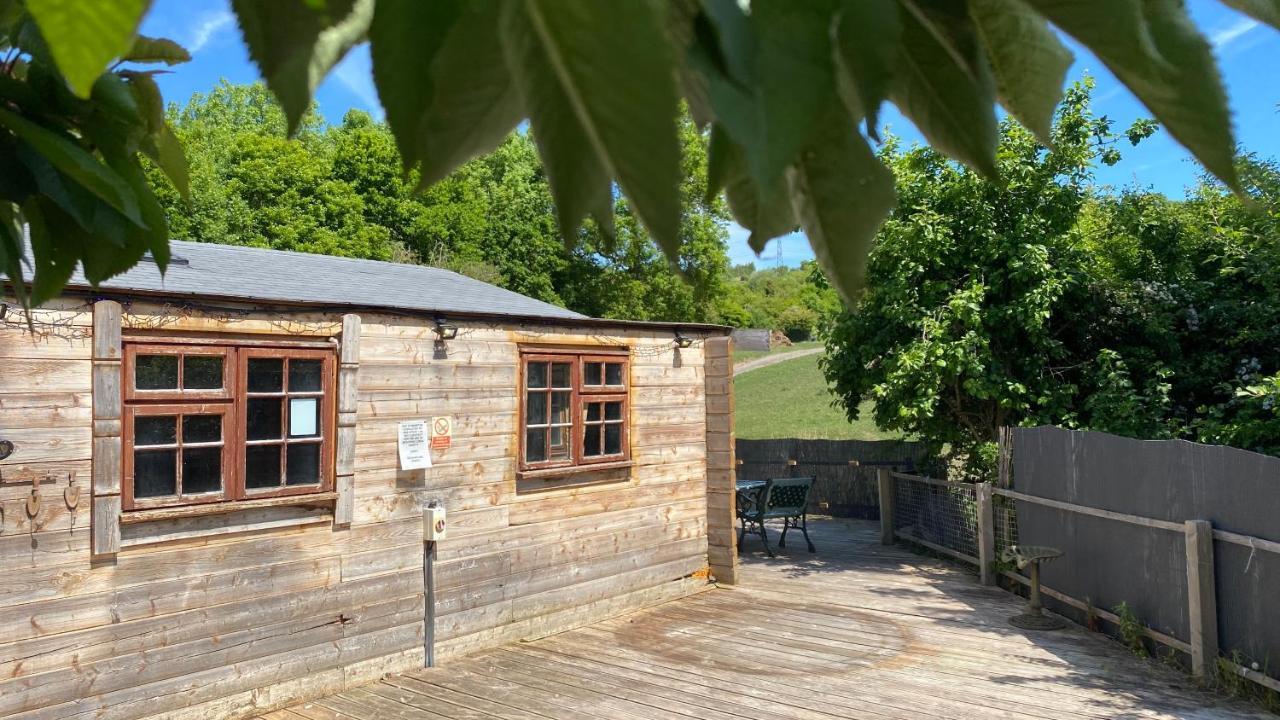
column 784, row 87
column 977, row 312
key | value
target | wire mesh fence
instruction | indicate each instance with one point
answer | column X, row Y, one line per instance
column 1005, row 523
column 938, row 514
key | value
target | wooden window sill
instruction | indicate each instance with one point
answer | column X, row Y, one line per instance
column 186, row 511
column 553, row 473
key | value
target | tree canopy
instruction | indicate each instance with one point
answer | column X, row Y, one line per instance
column 1044, row 300
column 786, row 89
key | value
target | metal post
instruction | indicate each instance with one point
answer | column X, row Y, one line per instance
column 884, row 479
column 429, row 601
column 1202, row 603
column 986, row 534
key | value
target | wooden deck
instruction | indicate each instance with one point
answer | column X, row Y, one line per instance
column 856, row 631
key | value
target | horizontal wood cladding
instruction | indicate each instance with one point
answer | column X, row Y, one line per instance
column 241, row 613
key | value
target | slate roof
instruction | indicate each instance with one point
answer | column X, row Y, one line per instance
column 230, row 272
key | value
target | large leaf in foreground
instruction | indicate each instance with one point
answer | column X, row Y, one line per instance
column 84, row 36
column 1028, row 60
column 949, row 100
column 1155, row 50
column 464, row 102
column 296, row 42
column 866, row 38
column 1267, row 11
column 596, row 81
column 766, row 214
column 841, row 193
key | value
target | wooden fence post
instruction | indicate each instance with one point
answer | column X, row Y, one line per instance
column 722, row 541
column 986, row 534
column 1202, row 601
column 884, row 479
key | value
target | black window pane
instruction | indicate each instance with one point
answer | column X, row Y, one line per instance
column 535, row 409
column 201, row 429
column 201, row 470
column 613, row 374
column 591, row 441
column 155, row 372
column 613, row 411
column 560, row 402
column 155, row 473
column 265, row 419
column 612, row 439
column 535, row 445
column 202, row 372
column 155, row 429
column 559, row 443
column 560, row 375
column 303, row 464
column 304, row 375
column 591, row 374
column 266, row 375
column 262, row 466
column 593, row 412
column 536, row 377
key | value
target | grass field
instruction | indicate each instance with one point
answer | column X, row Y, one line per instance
column 741, row 356
column 791, row 400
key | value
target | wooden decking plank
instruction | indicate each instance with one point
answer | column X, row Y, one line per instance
column 467, row 702
column 409, row 697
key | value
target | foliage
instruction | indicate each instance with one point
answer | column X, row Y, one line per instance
column 783, row 87
column 340, row 190
column 974, row 316
column 781, row 298
column 1132, row 632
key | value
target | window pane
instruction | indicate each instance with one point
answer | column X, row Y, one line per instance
column 155, row 473
column 304, row 417
column 593, row 412
column 591, row 441
column 201, row 429
column 535, row 445
column 535, row 409
column 559, row 443
column 613, row 374
column 302, row 465
column 591, row 374
column 155, row 372
column 612, row 439
column 560, row 407
column 202, row 372
column 265, row 419
column 613, row 411
column 266, row 375
column 155, row 429
column 262, row 466
column 304, row 375
column 537, row 375
column 201, row 470
column 560, row 375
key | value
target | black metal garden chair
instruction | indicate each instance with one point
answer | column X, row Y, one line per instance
column 780, row 498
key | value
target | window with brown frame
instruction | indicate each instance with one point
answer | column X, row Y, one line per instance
column 210, row 422
column 573, row 408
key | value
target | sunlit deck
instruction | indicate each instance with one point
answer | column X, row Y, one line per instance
column 857, row 631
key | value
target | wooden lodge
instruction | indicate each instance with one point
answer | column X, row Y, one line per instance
column 204, row 510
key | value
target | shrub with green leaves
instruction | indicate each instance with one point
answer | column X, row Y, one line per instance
column 785, row 87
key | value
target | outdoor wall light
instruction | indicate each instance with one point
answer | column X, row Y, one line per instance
column 445, row 330
column 682, row 341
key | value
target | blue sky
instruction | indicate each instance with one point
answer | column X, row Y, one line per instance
column 1248, row 54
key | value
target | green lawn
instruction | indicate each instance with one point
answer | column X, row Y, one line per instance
column 791, row 400
column 741, row 356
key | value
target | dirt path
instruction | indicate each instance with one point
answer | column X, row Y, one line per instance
column 768, row 360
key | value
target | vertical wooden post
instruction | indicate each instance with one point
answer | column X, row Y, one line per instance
column 722, row 541
column 1202, row 601
column 348, row 394
column 108, row 350
column 884, row 479
column 986, row 534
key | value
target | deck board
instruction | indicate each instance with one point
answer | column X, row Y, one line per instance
column 856, row 631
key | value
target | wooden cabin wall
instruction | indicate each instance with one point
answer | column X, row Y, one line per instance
column 228, row 616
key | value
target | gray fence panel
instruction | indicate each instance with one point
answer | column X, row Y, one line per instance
column 1109, row 561
column 751, row 339
column 846, row 490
